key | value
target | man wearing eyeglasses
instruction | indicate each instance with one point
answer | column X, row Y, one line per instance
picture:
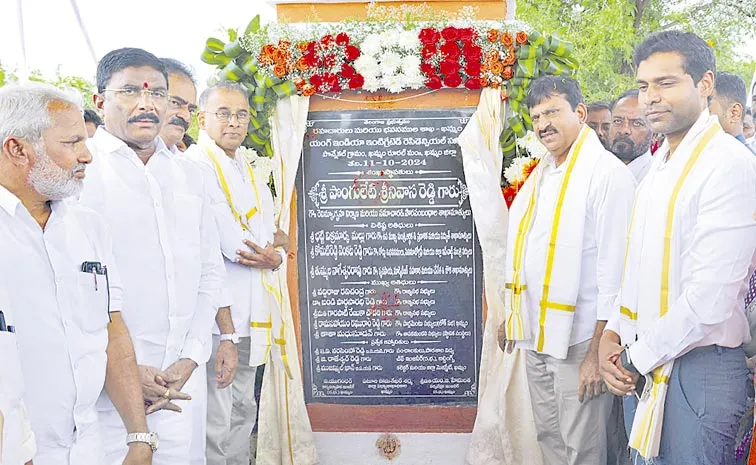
column 166, row 246
column 180, row 103
column 246, row 221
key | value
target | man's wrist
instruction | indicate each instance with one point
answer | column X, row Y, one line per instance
column 191, row 362
column 231, row 337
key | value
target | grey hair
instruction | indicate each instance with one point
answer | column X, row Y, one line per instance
column 225, row 85
column 25, row 110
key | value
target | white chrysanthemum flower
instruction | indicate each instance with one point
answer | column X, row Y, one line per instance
column 414, row 79
column 390, row 38
column 532, row 145
column 408, row 40
column 367, row 66
column 372, row 83
column 394, row 83
column 411, row 64
column 511, row 172
column 390, row 62
column 371, row 45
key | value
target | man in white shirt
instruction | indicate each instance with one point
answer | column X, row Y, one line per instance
column 564, row 260
column 156, row 205
column 728, row 103
column 17, row 444
column 247, row 228
column 64, row 293
column 680, row 311
column 630, row 136
column 749, row 130
column 600, row 119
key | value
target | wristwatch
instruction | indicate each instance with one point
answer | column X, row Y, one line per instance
column 149, row 438
column 230, row 337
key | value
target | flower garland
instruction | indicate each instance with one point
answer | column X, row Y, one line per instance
column 518, row 171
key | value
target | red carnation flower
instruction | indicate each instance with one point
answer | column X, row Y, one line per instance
column 427, row 68
column 472, row 53
column 450, row 33
column 449, row 67
column 327, row 40
column 317, row 81
column 466, row 34
column 310, row 59
column 332, row 81
column 453, row 80
column 451, row 50
column 433, row 82
column 429, row 51
column 352, row 52
column 472, row 68
column 356, row 82
column 429, row 36
column 329, row 61
column 473, row 83
column 347, row 71
column 312, row 47
column 342, row 38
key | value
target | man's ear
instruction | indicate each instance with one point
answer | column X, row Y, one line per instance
column 582, row 112
column 16, row 151
column 706, row 84
column 98, row 101
column 735, row 113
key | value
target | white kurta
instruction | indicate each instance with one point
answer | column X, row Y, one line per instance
column 244, row 283
column 167, row 249
column 61, row 319
column 17, row 444
column 639, row 167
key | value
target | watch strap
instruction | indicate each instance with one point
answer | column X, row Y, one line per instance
column 150, row 439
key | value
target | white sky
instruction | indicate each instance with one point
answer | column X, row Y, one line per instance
column 167, row 28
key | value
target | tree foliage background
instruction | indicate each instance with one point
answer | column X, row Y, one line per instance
column 605, row 33
column 83, row 86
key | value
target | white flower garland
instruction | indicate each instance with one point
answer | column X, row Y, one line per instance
column 390, row 60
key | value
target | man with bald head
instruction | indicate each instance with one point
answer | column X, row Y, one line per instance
column 63, row 294
column 629, row 135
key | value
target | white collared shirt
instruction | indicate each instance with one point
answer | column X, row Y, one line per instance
column 610, row 197
column 716, row 243
column 639, row 167
column 244, row 283
column 61, row 319
column 17, row 444
column 165, row 245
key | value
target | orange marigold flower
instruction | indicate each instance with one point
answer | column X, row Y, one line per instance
column 493, row 55
column 493, row 35
column 506, row 39
column 529, row 167
column 299, row 82
column 508, row 73
column 484, row 81
column 302, row 46
column 497, row 68
column 278, row 56
column 284, row 44
column 522, row 38
column 484, row 68
column 279, row 70
column 308, row 90
column 301, row 64
column 510, row 58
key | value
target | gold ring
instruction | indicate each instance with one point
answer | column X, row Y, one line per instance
column 167, row 394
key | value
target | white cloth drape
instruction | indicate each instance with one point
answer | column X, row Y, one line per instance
column 284, row 432
column 504, row 432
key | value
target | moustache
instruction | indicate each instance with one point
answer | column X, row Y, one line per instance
column 144, row 116
column 176, row 121
column 79, row 167
column 623, row 140
column 549, row 128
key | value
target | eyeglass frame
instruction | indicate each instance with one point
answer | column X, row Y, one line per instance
column 226, row 119
column 154, row 94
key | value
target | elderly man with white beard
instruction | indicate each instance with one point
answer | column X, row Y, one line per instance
column 63, row 292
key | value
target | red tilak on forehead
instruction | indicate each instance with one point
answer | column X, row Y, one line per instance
column 145, row 85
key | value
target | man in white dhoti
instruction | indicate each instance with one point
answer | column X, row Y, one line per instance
column 629, row 136
column 247, row 225
column 675, row 335
column 63, row 290
column 564, row 260
column 157, row 207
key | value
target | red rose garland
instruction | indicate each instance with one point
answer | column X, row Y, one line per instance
column 450, row 57
column 329, row 63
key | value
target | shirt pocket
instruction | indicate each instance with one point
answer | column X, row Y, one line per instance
column 11, row 378
column 92, row 309
column 188, row 219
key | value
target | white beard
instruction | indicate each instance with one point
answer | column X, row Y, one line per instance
column 52, row 181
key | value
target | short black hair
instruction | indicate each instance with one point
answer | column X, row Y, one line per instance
column 698, row 56
column 122, row 58
column 188, row 140
column 626, row 94
column 598, row 106
column 177, row 67
column 91, row 116
column 549, row 86
column 731, row 87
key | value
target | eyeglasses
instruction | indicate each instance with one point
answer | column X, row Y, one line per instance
column 224, row 116
column 133, row 93
column 178, row 103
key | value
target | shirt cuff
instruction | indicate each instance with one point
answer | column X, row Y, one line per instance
column 196, row 351
column 605, row 306
column 612, row 325
column 224, row 297
column 642, row 357
column 283, row 255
